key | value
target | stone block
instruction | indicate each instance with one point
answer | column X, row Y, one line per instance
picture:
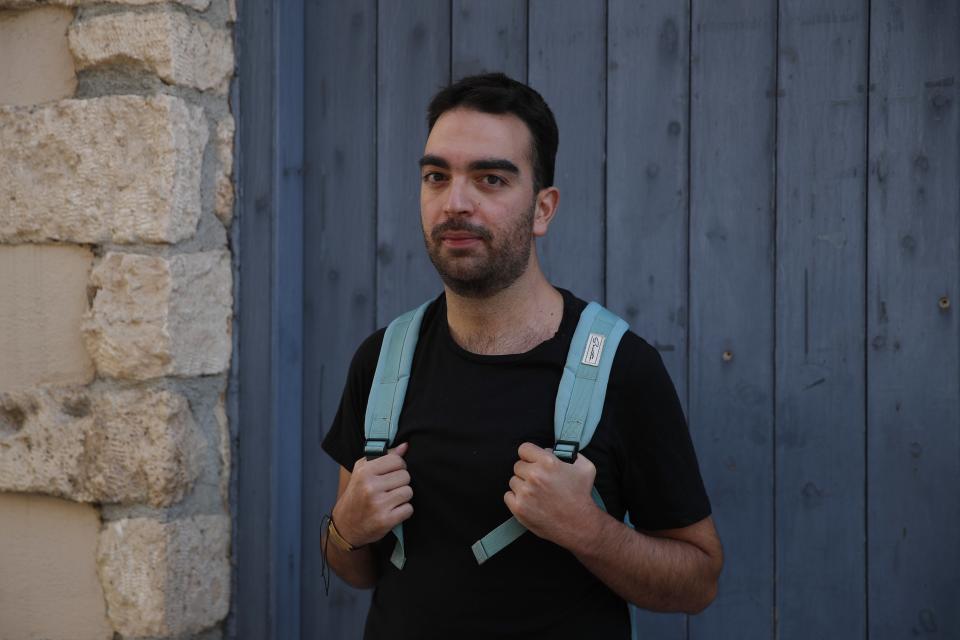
column 126, row 446
column 223, row 204
column 37, row 65
column 181, row 50
column 161, row 316
column 165, row 578
column 199, row 5
column 49, row 586
column 122, row 169
column 43, row 296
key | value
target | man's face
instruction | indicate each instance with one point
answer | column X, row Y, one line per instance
column 477, row 205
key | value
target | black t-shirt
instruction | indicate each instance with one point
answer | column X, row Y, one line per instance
column 464, row 416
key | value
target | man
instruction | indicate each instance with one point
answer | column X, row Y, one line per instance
column 477, row 423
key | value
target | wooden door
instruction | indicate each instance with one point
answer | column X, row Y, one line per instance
column 768, row 193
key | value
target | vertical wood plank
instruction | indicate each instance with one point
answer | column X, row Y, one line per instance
column 286, row 338
column 821, row 245
column 339, row 289
column 913, row 453
column 413, row 63
column 567, row 66
column 253, row 583
column 489, row 36
column 647, row 200
column 731, row 289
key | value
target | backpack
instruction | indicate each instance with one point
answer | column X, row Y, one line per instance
column 579, row 402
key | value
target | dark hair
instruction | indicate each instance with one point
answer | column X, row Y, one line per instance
column 497, row 93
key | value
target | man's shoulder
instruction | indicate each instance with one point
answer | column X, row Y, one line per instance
column 369, row 349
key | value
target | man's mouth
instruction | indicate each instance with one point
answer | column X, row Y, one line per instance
column 457, row 235
column 459, row 239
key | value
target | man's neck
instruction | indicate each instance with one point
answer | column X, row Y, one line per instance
column 513, row 320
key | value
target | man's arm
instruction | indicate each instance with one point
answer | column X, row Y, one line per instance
column 370, row 502
column 672, row 570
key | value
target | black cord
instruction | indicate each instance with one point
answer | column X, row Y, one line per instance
column 324, row 563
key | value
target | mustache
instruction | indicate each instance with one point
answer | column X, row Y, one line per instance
column 459, row 225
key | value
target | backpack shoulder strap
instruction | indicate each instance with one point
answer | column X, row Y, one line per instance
column 583, row 386
column 390, row 381
column 387, row 392
column 579, row 403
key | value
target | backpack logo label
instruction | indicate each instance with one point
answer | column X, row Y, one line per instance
column 591, row 355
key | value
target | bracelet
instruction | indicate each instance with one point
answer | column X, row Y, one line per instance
column 338, row 540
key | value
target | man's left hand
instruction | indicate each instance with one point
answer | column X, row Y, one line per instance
column 550, row 497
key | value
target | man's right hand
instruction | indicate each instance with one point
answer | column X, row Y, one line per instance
column 376, row 499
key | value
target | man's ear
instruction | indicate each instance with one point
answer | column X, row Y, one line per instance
column 544, row 210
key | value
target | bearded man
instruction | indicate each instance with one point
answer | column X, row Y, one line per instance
column 476, row 429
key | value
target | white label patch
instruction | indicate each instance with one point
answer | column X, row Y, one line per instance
column 591, row 355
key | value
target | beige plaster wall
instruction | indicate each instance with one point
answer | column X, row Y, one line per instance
column 35, row 61
column 50, row 589
column 43, row 295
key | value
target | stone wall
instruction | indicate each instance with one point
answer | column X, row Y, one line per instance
column 116, row 306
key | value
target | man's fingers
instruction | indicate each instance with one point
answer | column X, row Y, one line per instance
column 400, row 449
column 583, row 461
column 515, row 484
column 522, row 469
column 398, row 496
column 387, row 463
column 393, row 479
column 401, row 513
column 531, row 452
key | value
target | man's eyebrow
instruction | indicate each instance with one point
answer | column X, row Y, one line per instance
column 434, row 161
column 494, row 163
column 486, row 164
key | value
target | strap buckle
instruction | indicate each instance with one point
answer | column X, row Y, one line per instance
column 566, row 450
column 374, row 448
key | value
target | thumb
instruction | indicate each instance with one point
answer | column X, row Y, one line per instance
column 400, row 449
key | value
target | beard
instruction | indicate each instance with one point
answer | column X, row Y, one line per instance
column 481, row 276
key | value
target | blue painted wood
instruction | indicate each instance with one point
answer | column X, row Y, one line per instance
column 913, row 429
column 489, row 36
column 789, row 503
column 646, row 186
column 732, row 133
column 339, row 271
column 286, row 337
column 413, row 63
column 567, row 66
column 647, row 177
column 821, row 249
column 251, row 607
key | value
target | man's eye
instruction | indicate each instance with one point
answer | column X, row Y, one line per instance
column 493, row 180
column 433, row 177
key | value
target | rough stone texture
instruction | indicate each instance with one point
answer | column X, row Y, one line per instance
column 164, row 579
column 43, row 295
column 179, row 49
column 199, row 5
column 48, row 575
column 223, row 205
column 223, row 426
column 121, row 446
column 154, row 316
column 37, row 66
column 116, row 169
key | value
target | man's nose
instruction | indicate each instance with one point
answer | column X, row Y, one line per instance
column 458, row 197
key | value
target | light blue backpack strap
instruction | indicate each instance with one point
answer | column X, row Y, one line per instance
column 501, row 537
column 387, row 393
column 583, row 387
column 487, row 546
column 390, row 382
